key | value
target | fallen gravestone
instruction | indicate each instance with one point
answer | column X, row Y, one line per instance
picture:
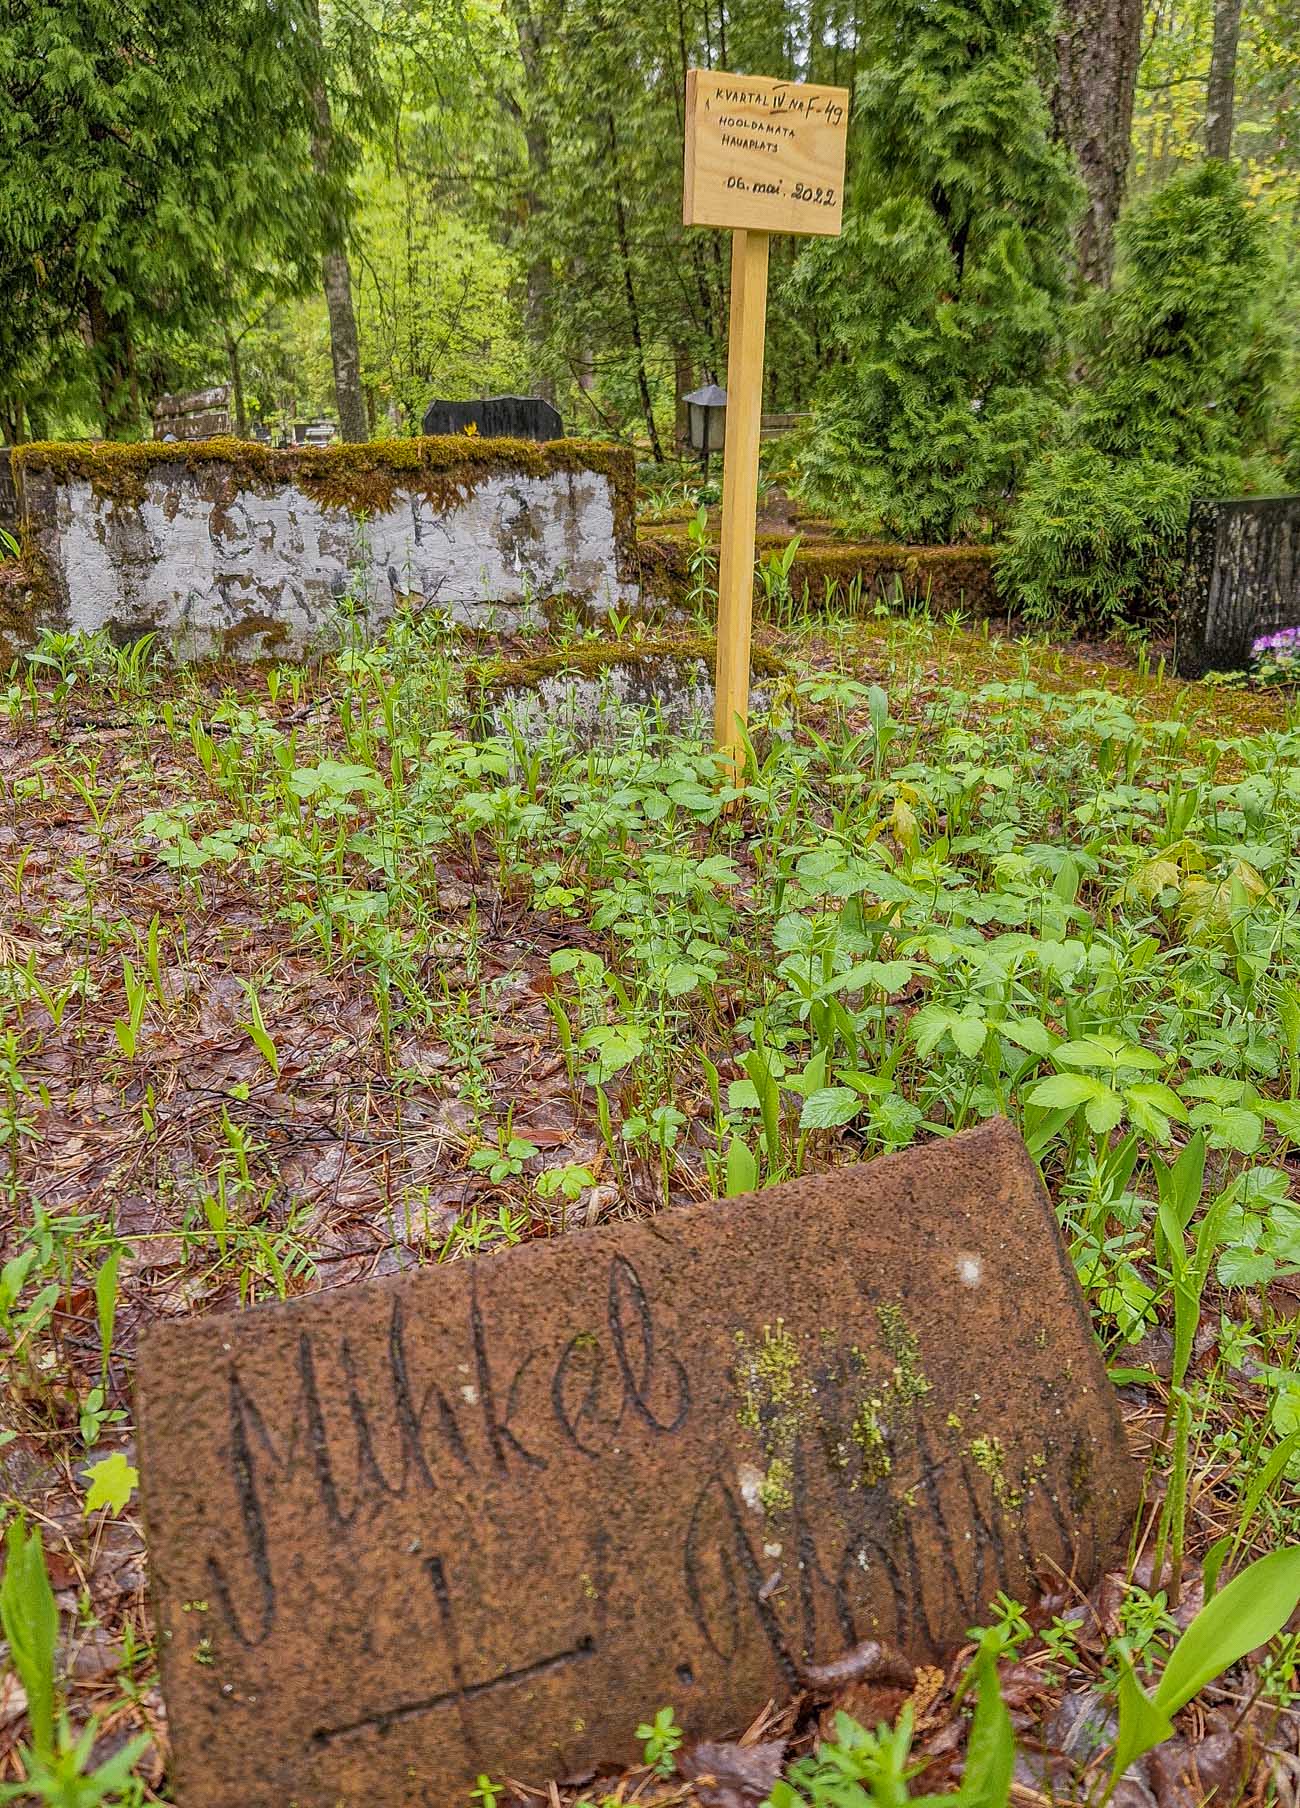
column 1241, row 582
column 496, row 417
column 485, row 1518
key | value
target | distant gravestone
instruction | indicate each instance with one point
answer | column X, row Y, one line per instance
column 314, row 433
column 203, row 415
column 1242, row 581
column 484, row 1518
column 496, row 417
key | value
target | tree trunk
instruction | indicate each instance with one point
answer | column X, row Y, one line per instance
column 531, row 39
column 683, row 370
column 110, row 343
column 633, row 311
column 336, row 272
column 1221, row 90
column 344, row 350
column 1098, row 48
column 237, row 385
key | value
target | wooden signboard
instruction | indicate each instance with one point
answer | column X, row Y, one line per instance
column 762, row 156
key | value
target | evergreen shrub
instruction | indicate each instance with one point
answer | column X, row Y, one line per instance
column 941, row 310
column 1179, row 363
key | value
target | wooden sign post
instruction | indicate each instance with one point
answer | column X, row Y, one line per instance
column 762, row 156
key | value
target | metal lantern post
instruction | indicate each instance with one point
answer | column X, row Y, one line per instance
column 706, row 422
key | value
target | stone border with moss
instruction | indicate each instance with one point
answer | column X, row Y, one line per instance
column 496, row 676
column 361, row 477
column 827, row 573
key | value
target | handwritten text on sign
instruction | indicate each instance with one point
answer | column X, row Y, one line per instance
column 764, row 154
column 488, row 1517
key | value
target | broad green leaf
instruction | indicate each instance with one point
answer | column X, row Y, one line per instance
column 1066, row 1090
column 1241, row 1268
column 742, row 1168
column 742, row 1095
column 1248, row 1611
column 1142, row 1725
column 1029, row 1033
column 827, row 1109
column 31, row 1626
column 969, row 1033
column 1104, row 1111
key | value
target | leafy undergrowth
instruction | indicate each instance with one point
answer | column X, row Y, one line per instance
column 307, row 977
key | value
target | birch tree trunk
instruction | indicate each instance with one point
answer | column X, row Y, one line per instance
column 1220, row 92
column 1098, row 48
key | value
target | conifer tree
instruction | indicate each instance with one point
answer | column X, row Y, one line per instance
column 943, row 303
column 1179, row 366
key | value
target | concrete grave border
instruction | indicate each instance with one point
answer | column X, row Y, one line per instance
column 227, row 548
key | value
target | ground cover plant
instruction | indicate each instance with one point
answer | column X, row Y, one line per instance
column 312, row 973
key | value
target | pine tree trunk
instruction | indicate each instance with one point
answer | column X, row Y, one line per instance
column 1220, row 94
column 633, row 311
column 336, row 272
column 531, row 38
column 1098, row 48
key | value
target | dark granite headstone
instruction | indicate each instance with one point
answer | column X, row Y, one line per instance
column 487, row 1517
column 496, row 417
column 1242, row 581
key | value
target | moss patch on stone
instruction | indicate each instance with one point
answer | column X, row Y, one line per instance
column 495, row 676
column 884, row 1419
column 776, row 1399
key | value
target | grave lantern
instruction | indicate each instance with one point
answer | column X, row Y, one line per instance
column 706, row 421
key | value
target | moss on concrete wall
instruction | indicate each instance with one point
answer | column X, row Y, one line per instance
column 362, row 478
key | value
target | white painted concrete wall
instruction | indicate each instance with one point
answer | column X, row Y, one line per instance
column 263, row 574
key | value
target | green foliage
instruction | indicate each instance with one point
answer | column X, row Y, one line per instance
column 153, row 166
column 1179, row 359
column 1097, row 539
column 943, row 304
column 862, row 1769
column 661, row 1738
column 31, row 1627
column 1180, row 352
column 1249, row 1611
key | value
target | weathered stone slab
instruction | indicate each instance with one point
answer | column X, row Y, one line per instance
column 203, row 415
column 486, row 1517
column 1241, row 581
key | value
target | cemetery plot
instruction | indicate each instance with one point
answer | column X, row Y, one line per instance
column 315, row 992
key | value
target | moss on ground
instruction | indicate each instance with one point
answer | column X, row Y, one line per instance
column 834, row 573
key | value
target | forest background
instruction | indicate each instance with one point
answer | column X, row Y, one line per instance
column 348, row 207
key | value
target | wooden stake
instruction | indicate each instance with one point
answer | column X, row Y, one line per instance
column 740, row 489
